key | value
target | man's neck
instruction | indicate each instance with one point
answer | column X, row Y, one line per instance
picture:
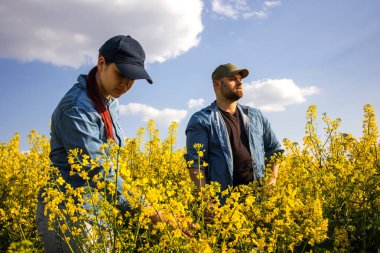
column 226, row 106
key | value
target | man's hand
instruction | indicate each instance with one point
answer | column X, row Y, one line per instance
column 272, row 181
column 208, row 213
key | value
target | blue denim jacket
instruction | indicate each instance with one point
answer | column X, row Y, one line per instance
column 208, row 128
column 75, row 123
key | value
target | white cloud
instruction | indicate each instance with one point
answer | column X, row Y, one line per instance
column 71, row 32
column 275, row 95
column 244, row 8
column 271, row 4
column 165, row 116
column 225, row 8
column 195, row 103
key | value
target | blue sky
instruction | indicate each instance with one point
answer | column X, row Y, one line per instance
column 299, row 53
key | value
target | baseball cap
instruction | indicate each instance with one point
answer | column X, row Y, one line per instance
column 128, row 55
column 228, row 69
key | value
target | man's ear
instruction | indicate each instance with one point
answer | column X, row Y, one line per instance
column 216, row 83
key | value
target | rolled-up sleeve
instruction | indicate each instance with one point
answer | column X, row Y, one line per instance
column 271, row 143
column 196, row 133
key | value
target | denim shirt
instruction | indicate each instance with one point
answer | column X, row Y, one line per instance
column 208, row 128
column 75, row 123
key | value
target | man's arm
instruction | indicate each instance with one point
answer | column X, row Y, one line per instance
column 273, row 179
column 272, row 146
column 198, row 177
column 196, row 133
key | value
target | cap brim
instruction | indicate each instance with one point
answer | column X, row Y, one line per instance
column 133, row 71
column 243, row 72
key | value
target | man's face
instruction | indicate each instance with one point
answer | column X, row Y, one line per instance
column 231, row 87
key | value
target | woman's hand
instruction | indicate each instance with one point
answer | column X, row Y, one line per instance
column 158, row 216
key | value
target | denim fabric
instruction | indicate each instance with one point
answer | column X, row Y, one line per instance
column 208, row 128
column 52, row 241
column 75, row 123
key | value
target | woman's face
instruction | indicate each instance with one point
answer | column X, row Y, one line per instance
column 110, row 81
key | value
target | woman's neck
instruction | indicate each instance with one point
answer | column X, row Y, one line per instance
column 100, row 86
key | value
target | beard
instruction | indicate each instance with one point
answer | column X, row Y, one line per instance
column 232, row 95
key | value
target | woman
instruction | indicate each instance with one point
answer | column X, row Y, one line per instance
column 86, row 118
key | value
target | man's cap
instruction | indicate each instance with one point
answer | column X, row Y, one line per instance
column 128, row 55
column 228, row 69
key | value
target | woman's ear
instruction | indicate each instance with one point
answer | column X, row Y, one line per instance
column 101, row 63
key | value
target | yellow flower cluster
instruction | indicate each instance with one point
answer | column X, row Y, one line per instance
column 327, row 197
column 22, row 174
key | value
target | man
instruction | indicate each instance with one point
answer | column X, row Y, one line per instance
column 237, row 140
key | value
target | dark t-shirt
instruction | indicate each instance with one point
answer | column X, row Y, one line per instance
column 242, row 161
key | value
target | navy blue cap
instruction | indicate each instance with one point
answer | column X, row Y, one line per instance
column 128, row 55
